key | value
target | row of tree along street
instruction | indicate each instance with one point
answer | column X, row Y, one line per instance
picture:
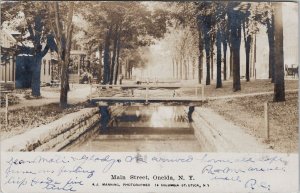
column 214, row 24
column 122, row 31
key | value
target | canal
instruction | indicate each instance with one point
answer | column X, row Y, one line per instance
column 150, row 128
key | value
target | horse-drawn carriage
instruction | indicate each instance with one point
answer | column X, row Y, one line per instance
column 291, row 70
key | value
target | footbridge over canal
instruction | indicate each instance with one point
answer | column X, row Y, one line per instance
column 152, row 93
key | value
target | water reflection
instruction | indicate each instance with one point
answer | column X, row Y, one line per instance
column 146, row 117
column 105, row 118
column 163, row 117
column 143, row 128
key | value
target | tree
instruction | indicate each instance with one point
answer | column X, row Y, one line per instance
column 219, row 59
column 270, row 31
column 200, row 58
column 35, row 23
column 220, row 30
column 247, row 39
column 206, row 26
column 63, row 37
column 127, row 25
column 224, row 42
column 234, row 20
column 279, row 90
column 106, row 61
column 263, row 13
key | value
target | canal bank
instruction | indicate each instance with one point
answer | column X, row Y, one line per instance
column 215, row 134
column 151, row 128
column 58, row 134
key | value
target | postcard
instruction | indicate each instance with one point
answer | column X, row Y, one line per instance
column 149, row 96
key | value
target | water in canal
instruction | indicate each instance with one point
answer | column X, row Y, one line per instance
column 149, row 128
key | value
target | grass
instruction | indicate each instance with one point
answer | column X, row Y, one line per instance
column 248, row 113
column 25, row 118
column 247, row 87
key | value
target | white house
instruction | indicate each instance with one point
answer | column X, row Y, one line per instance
column 7, row 67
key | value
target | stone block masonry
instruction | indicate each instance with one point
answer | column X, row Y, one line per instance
column 57, row 134
column 215, row 134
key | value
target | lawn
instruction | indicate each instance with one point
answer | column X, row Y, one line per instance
column 248, row 111
column 256, row 86
column 25, row 118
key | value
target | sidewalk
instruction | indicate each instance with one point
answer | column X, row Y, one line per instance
column 78, row 93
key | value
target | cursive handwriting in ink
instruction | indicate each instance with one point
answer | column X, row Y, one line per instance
column 110, row 162
column 76, row 170
column 17, row 181
column 137, row 158
column 51, row 184
column 210, row 169
column 253, row 184
column 173, row 160
column 226, row 178
column 250, row 184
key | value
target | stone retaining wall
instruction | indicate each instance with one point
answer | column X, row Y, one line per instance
column 57, row 134
column 215, row 134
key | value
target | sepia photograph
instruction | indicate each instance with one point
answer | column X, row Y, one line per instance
column 208, row 78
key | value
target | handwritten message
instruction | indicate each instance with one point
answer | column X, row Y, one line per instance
column 148, row 172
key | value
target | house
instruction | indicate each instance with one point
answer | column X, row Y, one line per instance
column 7, row 67
column 78, row 62
column 49, row 68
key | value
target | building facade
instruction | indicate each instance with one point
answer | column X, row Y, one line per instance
column 7, row 67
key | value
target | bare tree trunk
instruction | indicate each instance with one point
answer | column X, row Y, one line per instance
column 126, row 69
column 100, row 63
column 207, row 52
column 200, row 59
column 279, row 90
column 248, row 47
column 225, row 58
column 247, row 40
column 188, row 68
column 64, row 40
column 235, row 33
column 212, row 56
column 181, row 65
column 219, row 60
column 118, row 56
column 173, row 65
column 177, row 70
column 194, row 66
column 185, row 69
column 106, row 69
column 270, row 32
column 113, row 61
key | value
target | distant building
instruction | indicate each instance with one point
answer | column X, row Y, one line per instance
column 7, row 67
column 49, row 69
column 78, row 63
